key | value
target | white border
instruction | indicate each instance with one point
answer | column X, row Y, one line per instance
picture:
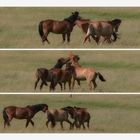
column 70, row 3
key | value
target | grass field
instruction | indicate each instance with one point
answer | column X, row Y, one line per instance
column 109, row 113
column 120, row 69
column 19, row 27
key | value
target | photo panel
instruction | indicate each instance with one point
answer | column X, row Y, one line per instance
column 65, row 114
column 69, row 71
column 69, row 27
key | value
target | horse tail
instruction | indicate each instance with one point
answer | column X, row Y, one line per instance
column 6, row 119
column 101, row 77
column 40, row 29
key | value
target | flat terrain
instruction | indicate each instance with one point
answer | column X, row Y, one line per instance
column 120, row 69
column 109, row 113
column 19, row 27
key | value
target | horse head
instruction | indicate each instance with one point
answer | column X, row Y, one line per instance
column 71, row 19
column 116, row 23
column 44, row 107
column 61, row 61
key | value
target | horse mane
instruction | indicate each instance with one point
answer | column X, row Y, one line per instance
column 115, row 21
column 37, row 106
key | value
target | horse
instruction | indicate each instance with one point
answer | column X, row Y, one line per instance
column 27, row 113
column 96, row 29
column 46, row 75
column 63, row 27
column 57, row 115
column 88, row 74
column 80, row 116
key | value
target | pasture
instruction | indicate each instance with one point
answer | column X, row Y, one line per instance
column 109, row 113
column 19, row 27
column 120, row 69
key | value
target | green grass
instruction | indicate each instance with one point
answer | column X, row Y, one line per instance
column 19, row 27
column 120, row 69
column 109, row 113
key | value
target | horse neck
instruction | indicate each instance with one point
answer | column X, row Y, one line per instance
column 36, row 108
column 57, row 66
column 76, row 64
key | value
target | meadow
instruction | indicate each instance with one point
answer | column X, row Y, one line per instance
column 109, row 113
column 120, row 69
column 19, row 27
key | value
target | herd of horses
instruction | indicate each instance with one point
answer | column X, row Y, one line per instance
column 105, row 31
column 72, row 72
column 78, row 115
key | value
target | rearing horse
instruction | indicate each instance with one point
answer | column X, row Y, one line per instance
column 64, row 27
column 27, row 113
column 81, row 73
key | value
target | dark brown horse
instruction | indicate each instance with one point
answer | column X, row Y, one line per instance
column 27, row 113
column 80, row 116
column 80, row 73
column 64, row 27
column 46, row 75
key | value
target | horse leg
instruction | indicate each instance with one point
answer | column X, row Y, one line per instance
column 94, row 80
column 61, row 123
column 45, row 37
column 64, row 37
column 32, row 122
column 61, row 86
column 73, row 83
column 27, row 123
column 86, row 37
column 88, row 123
column 41, row 85
column 69, row 123
column 68, row 37
column 83, row 125
column 36, row 83
column 47, row 122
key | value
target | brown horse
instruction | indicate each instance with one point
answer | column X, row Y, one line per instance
column 97, row 29
column 27, row 113
column 80, row 116
column 46, row 75
column 57, row 115
column 64, row 27
column 81, row 73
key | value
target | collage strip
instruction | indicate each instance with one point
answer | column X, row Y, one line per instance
column 69, row 69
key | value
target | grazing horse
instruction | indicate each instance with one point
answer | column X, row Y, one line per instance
column 46, row 75
column 96, row 29
column 80, row 116
column 64, row 27
column 57, row 115
column 81, row 73
column 27, row 113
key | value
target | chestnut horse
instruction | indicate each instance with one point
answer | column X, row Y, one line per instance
column 96, row 29
column 64, row 27
column 88, row 74
column 27, row 113
column 57, row 115
column 80, row 116
column 46, row 75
